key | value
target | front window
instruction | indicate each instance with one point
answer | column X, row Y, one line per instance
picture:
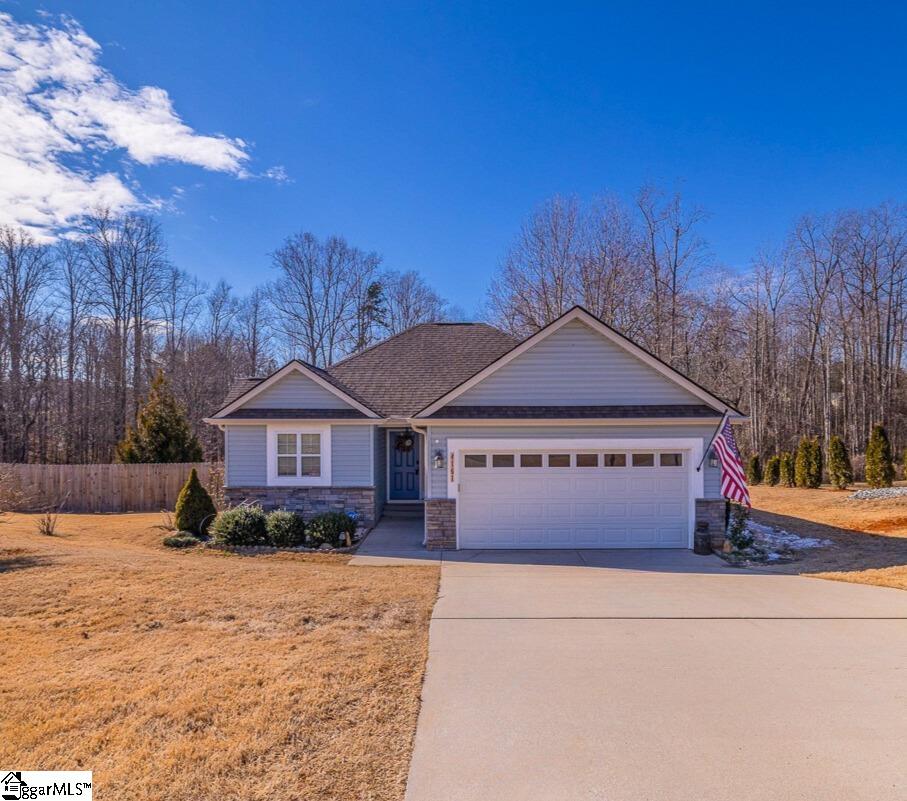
column 299, row 457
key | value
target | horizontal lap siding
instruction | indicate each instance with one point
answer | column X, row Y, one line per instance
column 440, row 434
column 351, row 456
column 246, row 456
column 575, row 366
column 295, row 391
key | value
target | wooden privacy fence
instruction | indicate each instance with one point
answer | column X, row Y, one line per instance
column 98, row 487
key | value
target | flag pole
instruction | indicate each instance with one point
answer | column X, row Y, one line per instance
column 705, row 453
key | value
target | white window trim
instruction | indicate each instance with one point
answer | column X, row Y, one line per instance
column 324, row 480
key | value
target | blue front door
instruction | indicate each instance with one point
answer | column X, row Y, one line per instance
column 404, row 477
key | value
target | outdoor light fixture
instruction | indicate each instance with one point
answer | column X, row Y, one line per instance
column 713, row 458
column 438, row 461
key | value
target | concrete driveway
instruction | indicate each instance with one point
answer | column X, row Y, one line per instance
column 626, row 675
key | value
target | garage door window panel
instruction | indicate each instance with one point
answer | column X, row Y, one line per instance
column 472, row 460
column 530, row 460
column 670, row 459
column 502, row 460
column 558, row 460
column 614, row 460
column 587, row 460
column 643, row 460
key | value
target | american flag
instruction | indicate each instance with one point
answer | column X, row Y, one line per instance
column 733, row 480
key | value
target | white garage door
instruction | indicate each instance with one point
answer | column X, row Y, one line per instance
column 574, row 499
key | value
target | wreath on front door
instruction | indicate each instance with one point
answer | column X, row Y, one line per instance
column 404, row 442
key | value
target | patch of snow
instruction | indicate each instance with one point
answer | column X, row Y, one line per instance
column 877, row 494
column 774, row 539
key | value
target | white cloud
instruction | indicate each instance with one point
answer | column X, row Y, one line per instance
column 60, row 112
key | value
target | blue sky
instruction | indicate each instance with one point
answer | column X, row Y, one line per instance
column 429, row 132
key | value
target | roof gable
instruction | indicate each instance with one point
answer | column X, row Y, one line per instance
column 576, row 360
column 294, row 386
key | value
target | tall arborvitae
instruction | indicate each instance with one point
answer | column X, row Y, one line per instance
column 803, row 463
column 772, row 473
column 879, row 466
column 161, row 433
column 754, row 470
column 840, row 473
column 817, row 464
column 786, row 475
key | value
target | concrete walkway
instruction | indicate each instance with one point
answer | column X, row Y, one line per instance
column 630, row 675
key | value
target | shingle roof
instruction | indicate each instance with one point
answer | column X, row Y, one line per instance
column 295, row 414
column 403, row 374
column 690, row 410
column 240, row 387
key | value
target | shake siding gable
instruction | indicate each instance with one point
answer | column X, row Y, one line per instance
column 575, row 366
column 295, row 391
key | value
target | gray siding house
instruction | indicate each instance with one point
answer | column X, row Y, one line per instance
column 573, row 437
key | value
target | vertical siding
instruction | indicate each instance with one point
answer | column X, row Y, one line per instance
column 576, row 366
column 296, row 391
column 246, row 456
column 351, row 456
column 438, row 436
column 380, row 466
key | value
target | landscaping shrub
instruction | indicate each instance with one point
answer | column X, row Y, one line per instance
column 194, row 507
column 285, row 529
column 808, row 464
column 737, row 531
column 786, row 475
column 772, row 473
column 840, row 472
column 181, row 540
column 754, row 470
column 241, row 525
column 334, row 528
column 879, row 466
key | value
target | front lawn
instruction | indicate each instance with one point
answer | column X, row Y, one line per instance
column 869, row 536
column 204, row 675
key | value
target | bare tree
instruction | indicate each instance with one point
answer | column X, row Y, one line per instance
column 408, row 301
column 318, row 295
column 26, row 272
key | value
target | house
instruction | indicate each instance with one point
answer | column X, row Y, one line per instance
column 572, row 437
column 12, row 784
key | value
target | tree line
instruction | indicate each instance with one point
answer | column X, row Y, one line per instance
column 808, row 339
column 88, row 321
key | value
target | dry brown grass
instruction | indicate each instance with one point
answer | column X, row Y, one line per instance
column 202, row 675
column 869, row 537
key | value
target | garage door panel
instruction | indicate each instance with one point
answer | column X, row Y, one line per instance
column 556, row 511
column 558, row 537
column 503, row 513
column 574, row 507
column 612, row 509
column 587, row 511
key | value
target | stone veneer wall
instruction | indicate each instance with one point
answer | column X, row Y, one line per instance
column 309, row 501
column 711, row 511
column 441, row 524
